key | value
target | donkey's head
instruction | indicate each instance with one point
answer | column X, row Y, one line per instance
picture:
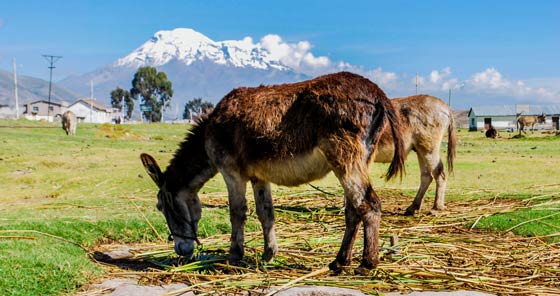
column 181, row 208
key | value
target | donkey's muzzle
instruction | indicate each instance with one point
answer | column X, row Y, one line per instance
column 184, row 247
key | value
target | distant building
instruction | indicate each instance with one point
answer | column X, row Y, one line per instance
column 85, row 110
column 505, row 116
column 6, row 111
column 89, row 111
column 461, row 118
column 39, row 110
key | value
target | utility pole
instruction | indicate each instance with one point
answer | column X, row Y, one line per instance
column 122, row 110
column 416, row 82
column 91, row 101
column 459, row 86
column 16, row 89
column 51, row 59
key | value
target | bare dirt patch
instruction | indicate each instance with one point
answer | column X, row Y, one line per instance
column 434, row 252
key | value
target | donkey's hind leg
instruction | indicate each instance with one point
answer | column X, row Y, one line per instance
column 426, row 178
column 363, row 205
column 236, row 187
column 353, row 221
column 441, row 182
column 265, row 212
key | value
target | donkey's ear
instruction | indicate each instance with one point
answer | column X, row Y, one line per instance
column 152, row 168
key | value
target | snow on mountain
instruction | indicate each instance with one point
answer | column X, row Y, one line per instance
column 188, row 46
column 196, row 65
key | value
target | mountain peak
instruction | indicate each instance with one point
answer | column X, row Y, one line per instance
column 188, row 46
column 186, row 36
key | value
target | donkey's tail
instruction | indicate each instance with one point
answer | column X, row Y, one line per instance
column 451, row 143
column 388, row 112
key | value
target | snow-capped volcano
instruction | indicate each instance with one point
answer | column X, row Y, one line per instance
column 188, row 46
column 200, row 67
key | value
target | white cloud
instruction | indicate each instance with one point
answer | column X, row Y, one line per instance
column 437, row 76
column 492, row 82
column 490, row 79
column 489, row 83
column 485, row 86
column 437, row 80
column 384, row 79
column 297, row 56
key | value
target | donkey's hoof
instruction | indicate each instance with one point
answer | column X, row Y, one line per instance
column 269, row 254
column 234, row 259
column 437, row 211
column 336, row 267
column 362, row 270
column 410, row 211
column 366, row 267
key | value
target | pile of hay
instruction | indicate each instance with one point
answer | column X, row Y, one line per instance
column 432, row 253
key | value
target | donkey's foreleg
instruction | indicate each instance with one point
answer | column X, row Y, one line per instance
column 238, row 214
column 344, row 256
column 265, row 212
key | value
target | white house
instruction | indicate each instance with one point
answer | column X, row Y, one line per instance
column 89, row 111
column 505, row 116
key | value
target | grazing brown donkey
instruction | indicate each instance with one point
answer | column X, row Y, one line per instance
column 286, row 134
column 529, row 120
column 424, row 120
column 69, row 123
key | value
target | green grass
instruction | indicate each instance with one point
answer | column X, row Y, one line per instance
column 92, row 189
column 43, row 267
column 544, row 222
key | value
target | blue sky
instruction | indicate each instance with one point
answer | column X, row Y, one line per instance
column 496, row 49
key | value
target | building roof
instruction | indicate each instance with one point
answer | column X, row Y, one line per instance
column 44, row 101
column 92, row 103
column 513, row 110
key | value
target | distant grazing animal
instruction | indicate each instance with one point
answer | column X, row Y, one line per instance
column 425, row 120
column 491, row 133
column 527, row 120
column 69, row 123
column 287, row 134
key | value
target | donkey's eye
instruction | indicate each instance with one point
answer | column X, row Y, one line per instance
column 159, row 206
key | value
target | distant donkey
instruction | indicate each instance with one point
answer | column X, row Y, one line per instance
column 529, row 120
column 69, row 123
column 287, row 134
column 424, row 120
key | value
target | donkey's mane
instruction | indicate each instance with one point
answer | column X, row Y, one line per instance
column 189, row 159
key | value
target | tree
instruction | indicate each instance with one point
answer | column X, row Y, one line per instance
column 196, row 106
column 121, row 98
column 154, row 89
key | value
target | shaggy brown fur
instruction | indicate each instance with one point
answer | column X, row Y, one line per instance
column 526, row 120
column 288, row 135
column 425, row 121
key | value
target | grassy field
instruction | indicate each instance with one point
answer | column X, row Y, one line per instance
column 61, row 197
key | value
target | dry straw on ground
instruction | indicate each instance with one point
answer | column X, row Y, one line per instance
column 433, row 252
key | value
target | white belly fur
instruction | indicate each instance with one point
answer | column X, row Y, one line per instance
column 293, row 171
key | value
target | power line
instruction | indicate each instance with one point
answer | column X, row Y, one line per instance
column 51, row 59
